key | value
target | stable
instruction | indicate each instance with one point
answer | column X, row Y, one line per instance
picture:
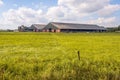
column 72, row 27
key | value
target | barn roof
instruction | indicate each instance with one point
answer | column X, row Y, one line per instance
column 24, row 27
column 77, row 26
column 38, row 26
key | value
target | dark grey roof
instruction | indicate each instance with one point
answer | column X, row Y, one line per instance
column 77, row 26
column 38, row 26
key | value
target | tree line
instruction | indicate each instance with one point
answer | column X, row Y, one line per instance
column 114, row 29
column 7, row 30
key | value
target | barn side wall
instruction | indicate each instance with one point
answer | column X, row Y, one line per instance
column 81, row 30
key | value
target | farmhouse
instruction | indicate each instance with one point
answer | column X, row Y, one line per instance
column 37, row 27
column 72, row 27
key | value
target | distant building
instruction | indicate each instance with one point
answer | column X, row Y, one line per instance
column 23, row 28
column 72, row 27
column 37, row 27
column 61, row 27
column 32, row 28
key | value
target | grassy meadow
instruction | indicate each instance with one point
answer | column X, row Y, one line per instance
column 53, row 56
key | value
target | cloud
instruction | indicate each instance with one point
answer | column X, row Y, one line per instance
column 108, row 22
column 22, row 15
column 108, row 10
column 80, row 10
column 55, row 13
column 1, row 2
column 86, row 6
column 77, row 11
column 64, row 14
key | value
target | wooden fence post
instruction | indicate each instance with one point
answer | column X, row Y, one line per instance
column 79, row 55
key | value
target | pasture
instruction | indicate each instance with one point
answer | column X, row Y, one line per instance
column 53, row 56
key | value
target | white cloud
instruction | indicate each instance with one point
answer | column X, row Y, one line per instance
column 108, row 22
column 81, row 10
column 1, row 2
column 108, row 10
column 55, row 12
column 62, row 13
column 22, row 15
column 78, row 11
column 84, row 5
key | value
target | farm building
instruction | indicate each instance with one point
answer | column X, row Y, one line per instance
column 72, row 27
column 37, row 27
column 23, row 28
column 32, row 28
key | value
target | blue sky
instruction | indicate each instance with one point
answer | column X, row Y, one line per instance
column 27, row 12
column 14, row 4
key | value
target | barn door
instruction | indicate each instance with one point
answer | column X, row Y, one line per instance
column 50, row 30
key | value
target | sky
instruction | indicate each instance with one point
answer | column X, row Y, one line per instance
column 14, row 13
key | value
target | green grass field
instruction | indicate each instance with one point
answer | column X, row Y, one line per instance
column 53, row 56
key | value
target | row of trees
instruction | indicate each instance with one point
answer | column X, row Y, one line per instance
column 114, row 29
column 8, row 30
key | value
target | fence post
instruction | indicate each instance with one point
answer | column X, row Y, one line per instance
column 79, row 55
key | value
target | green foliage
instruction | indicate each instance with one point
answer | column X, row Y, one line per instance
column 8, row 30
column 115, row 29
column 53, row 56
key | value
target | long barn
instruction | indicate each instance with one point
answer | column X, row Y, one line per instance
column 72, row 27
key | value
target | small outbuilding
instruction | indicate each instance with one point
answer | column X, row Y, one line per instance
column 72, row 27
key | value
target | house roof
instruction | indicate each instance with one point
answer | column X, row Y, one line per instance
column 38, row 26
column 77, row 26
